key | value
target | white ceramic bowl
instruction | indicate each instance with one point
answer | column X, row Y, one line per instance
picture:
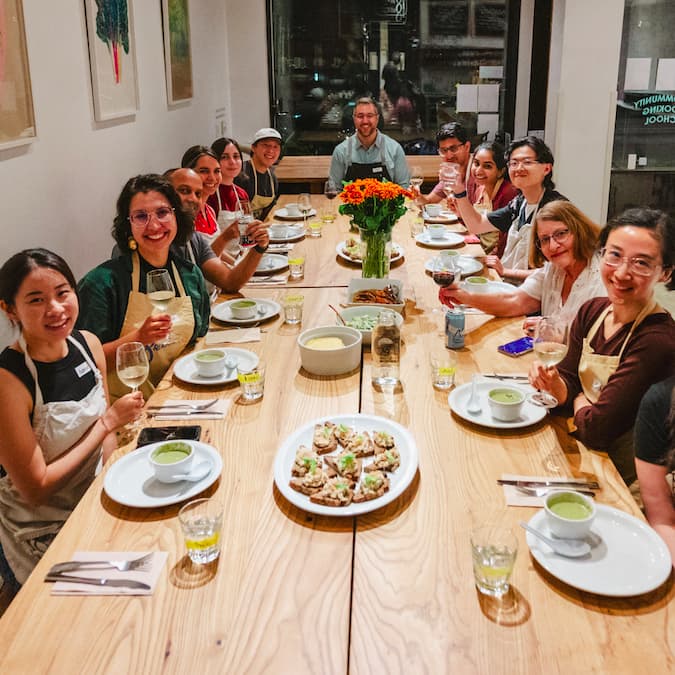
column 433, row 210
column 244, row 308
column 477, row 284
column 278, row 230
column 349, row 313
column 293, row 210
column 331, row 361
column 165, row 471
column 566, row 526
column 361, row 284
column 436, row 231
column 210, row 362
column 509, row 409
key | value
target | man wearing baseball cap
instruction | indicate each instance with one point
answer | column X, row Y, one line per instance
column 257, row 176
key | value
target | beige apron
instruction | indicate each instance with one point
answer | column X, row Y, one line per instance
column 594, row 373
column 259, row 202
column 488, row 240
column 26, row 531
column 160, row 356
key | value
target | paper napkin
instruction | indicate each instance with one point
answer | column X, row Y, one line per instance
column 235, row 335
column 516, row 498
column 215, row 412
column 280, row 248
column 149, row 576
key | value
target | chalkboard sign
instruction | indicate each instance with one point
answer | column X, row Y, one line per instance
column 449, row 19
column 491, row 20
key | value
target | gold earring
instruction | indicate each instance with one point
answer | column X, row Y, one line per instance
column 132, row 244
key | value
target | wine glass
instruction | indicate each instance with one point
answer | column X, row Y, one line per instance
column 448, row 174
column 330, row 192
column 550, row 346
column 305, row 205
column 416, row 177
column 444, row 272
column 132, row 369
column 160, row 290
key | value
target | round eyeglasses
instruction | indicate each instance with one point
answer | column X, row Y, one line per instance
column 142, row 218
column 641, row 267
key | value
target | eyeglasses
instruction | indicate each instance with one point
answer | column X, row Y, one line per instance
column 525, row 163
column 639, row 266
column 558, row 237
column 142, row 218
column 450, row 149
column 365, row 116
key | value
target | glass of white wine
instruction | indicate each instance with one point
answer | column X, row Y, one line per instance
column 132, row 369
column 416, row 180
column 160, row 290
column 305, row 205
column 550, row 347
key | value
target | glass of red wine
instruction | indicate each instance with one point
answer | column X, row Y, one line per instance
column 444, row 272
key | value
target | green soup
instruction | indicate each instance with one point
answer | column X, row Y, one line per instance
column 505, row 396
column 570, row 510
column 170, row 453
column 209, row 356
column 243, row 304
column 477, row 280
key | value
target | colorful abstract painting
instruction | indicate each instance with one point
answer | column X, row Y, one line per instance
column 177, row 52
column 17, row 120
column 112, row 58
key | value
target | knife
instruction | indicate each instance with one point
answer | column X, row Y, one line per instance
column 497, row 376
column 187, row 413
column 591, row 485
column 105, row 581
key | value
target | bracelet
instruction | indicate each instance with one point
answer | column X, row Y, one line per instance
column 107, row 429
column 260, row 249
column 459, row 195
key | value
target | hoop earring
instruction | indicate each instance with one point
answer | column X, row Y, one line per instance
column 132, row 244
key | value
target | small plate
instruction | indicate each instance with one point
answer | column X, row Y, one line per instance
column 340, row 250
column 282, row 214
column 399, row 480
column 466, row 263
column 271, row 263
column 444, row 217
column 186, row 370
column 459, row 397
column 627, row 557
column 294, row 232
column 449, row 239
column 130, row 481
column 222, row 311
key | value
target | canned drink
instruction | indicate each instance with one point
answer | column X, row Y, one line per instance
column 454, row 329
column 244, row 222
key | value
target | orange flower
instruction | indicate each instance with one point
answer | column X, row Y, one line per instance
column 374, row 205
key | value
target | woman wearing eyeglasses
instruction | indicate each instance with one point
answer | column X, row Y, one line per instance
column 567, row 274
column 114, row 305
column 620, row 345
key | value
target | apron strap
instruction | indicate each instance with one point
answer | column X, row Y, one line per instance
column 136, row 274
column 178, row 280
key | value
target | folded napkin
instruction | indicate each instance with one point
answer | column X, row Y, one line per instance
column 280, row 248
column 237, row 335
column 516, row 498
column 471, row 239
column 150, row 575
column 215, row 412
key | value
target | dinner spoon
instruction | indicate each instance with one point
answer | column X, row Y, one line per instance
column 473, row 405
column 569, row 548
column 200, row 471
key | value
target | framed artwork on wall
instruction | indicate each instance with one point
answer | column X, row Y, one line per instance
column 177, row 52
column 17, row 119
column 112, row 58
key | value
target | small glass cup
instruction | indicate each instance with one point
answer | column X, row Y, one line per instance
column 494, row 551
column 314, row 228
column 292, row 304
column 252, row 382
column 416, row 226
column 201, row 521
column 443, row 365
column 296, row 267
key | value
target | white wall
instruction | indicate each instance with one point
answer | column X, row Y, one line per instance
column 59, row 192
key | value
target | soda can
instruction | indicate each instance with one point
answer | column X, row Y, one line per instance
column 454, row 329
column 244, row 239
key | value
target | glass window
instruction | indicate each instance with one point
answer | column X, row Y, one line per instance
column 426, row 62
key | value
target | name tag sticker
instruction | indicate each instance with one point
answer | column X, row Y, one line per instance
column 377, row 169
column 83, row 369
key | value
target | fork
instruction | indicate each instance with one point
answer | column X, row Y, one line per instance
column 542, row 492
column 138, row 564
column 191, row 406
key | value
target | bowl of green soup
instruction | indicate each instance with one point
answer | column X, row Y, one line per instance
column 244, row 309
column 210, row 362
column 569, row 514
column 169, row 459
column 506, row 403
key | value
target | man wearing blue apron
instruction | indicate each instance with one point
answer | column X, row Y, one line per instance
column 368, row 153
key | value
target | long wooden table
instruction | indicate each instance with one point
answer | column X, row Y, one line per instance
column 388, row 592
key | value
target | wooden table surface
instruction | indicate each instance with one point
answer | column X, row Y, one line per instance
column 388, row 592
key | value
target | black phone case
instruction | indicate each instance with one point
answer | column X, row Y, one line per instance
column 158, row 434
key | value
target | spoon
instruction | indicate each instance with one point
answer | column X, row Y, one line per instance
column 200, row 471
column 473, row 405
column 230, row 362
column 569, row 548
column 339, row 316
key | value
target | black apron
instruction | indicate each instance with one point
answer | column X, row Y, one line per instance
column 355, row 170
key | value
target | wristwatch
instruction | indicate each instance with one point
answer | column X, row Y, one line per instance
column 260, row 249
column 459, row 195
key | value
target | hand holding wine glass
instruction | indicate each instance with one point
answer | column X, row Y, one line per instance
column 550, row 347
column 160, row 290
column 132, row 368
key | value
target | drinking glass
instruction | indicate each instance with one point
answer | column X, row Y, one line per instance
column 160, row 290
column 443, row 364
column 416, row 177
column 494, row 551
column 444, row 272
column 448, row 174
column 132, row 369
column 252, row 382
column 550, row 346
column 305, row 205
column 330, row 191
column 201, row 521
column 245, row 219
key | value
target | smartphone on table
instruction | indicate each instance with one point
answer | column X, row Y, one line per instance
column 517, row 347
column 172, row 433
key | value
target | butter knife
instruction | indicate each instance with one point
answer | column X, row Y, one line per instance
column 497, row 376
column 590, row 485
column 104, row 581
column 209, row 414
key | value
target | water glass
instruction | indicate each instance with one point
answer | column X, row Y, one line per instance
column 292, row 305
column 296, row 267
column 314, row 229
column 443, row 365
column 416, row 226
column 201, row 521
column 494, row 551
column 252, row 382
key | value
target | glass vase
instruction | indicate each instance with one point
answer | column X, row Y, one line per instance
column 376, row 254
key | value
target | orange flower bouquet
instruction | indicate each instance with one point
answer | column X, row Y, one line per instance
column 375, row 207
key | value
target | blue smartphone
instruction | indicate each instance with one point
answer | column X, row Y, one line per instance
column 517, row 347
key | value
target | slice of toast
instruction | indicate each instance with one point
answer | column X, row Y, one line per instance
column 360, row 444
column 336, row 492
column 310, row 483
column 305, row 460
column 346, row 464
column 389, row 460
column 374, row 485
column 383, row 440
column 324, row 440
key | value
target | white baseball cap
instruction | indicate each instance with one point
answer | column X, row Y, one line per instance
column 267, row 132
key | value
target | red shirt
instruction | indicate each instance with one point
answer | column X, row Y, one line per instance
column 228, row 198
column 206, row 223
